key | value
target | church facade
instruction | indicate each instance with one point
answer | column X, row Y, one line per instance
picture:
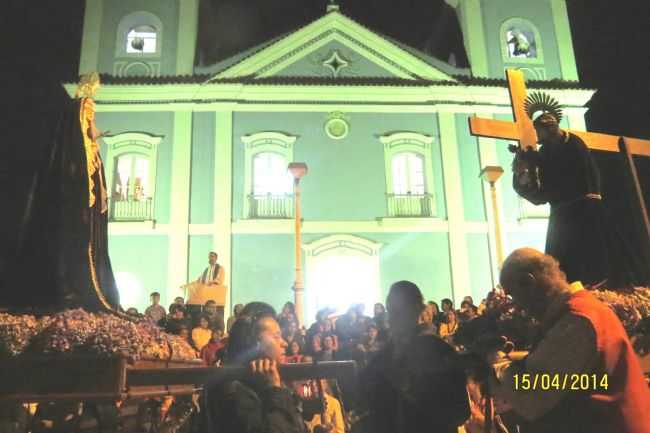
column 196, row 157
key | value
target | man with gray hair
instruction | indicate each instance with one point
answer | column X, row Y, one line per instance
column 582, row 375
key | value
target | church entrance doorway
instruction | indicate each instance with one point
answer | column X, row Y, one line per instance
column 341, row 270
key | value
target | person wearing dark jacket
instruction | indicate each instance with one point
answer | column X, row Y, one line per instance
column 416, row 383
column 260, row 403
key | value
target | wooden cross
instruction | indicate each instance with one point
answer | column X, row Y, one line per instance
column 522, row 131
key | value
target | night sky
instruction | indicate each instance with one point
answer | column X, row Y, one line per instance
column 610, row 39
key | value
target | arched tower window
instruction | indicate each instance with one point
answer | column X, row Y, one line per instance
column 520, row 42
column 139, row 34
column 141, row 39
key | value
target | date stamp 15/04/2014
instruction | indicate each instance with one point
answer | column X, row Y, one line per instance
column 560, row 382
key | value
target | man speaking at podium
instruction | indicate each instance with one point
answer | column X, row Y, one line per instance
column 208, row 287
column 213, row 274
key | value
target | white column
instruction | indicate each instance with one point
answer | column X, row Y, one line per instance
column 488, row 156
column 564, row 40
column 88, row 61
column 188, row 16
column 179, row 219
column 455, row 212
column 223, row 197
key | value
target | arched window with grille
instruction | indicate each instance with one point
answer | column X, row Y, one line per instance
column 409, row 174
column 268, row 185
column 131, row 176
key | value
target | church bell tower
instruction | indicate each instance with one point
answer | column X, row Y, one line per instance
column 533, row 36
column 139, row 37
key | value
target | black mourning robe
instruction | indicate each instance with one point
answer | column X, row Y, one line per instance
column 53, row 267
column 579, row 235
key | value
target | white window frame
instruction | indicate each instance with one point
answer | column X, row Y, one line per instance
column 135, row 143
column 132, row 20
column 410, row 142
column 503, row 41
column 265, row 141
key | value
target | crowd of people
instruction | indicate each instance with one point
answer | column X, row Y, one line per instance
column 352, row 335
column 413, row 368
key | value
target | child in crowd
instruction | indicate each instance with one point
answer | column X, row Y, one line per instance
column 155, row 311
column 212, row 353
column 202, row 334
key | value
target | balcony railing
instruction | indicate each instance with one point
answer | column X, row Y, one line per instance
column 131, row 209
column 270, row 206
column 410, row 205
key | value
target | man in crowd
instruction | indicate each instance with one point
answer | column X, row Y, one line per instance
column 582, row 338
column 211, row 311
column 155, row 311
column 416, row 384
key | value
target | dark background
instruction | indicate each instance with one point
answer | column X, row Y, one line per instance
column 41, row 41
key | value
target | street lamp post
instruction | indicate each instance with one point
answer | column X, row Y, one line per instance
column 298, row 170
column 491, row 174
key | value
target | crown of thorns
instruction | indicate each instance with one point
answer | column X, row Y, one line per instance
column 538, row 103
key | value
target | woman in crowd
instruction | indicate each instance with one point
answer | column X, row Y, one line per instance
column 370, row 346
column 291, row 333
column 202, row 334
column 447, row 305
column 236, row 312
column 294, row 355
column 287, row 315
column 425, row 322
column 259, row 403
column 329, row 349
column 316, row 345
column 449, row 327
column 434, row 310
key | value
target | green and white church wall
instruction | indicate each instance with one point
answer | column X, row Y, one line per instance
column 202, row 184
column 347, row 177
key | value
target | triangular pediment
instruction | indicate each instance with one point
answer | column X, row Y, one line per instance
column 336, row 46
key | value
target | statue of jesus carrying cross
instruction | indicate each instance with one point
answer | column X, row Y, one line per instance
column 564, row 174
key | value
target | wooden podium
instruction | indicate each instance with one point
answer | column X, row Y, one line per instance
column 198, row 293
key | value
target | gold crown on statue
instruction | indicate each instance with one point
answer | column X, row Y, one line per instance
column 88, row 85
column 538, row 103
